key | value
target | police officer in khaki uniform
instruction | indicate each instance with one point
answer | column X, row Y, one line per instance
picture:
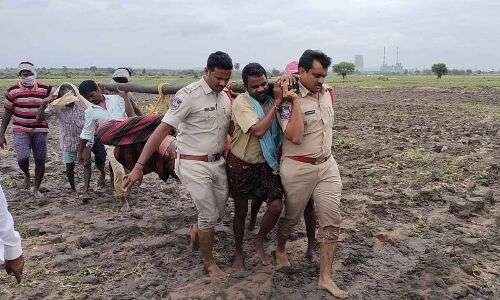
column 307, row 167
column 200, row 113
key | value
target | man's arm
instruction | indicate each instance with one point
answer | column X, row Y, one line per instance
column 87, row 134
column 7, row 115
column 42, row 114
column 294, row 131
column 136, row 108
column 10, row 242
column 151, row 147
column 260, row 128
column 129, row 108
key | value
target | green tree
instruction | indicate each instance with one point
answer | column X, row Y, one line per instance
column 343, row 68
column 237, row 66
column 439, row 69
column 93, row 69
column 66, row 72
column 275, row 72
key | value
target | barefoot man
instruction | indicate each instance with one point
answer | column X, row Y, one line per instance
column 252, row 163
column 22, row 102
column 69, row 107
column 307, row 168
column 104, row 108
column 200, row 113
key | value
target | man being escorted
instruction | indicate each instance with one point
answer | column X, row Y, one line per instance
column 103, row 108
column 252, row 163
column 200, row 112
column 22, row 102
column 307, row 167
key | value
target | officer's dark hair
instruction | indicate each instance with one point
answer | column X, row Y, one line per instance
column 252, row 69
column 309, row 56
column 87, row 87
column 219, row 60
column 64, row 89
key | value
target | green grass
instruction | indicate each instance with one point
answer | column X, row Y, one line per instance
column 481, row 109
column 144, row 80
column 413, row 81
column 352, row 81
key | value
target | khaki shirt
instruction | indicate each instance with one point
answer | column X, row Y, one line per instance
column 244, row 145
column 201, row 118
column 317, row 112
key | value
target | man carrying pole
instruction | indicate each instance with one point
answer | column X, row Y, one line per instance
column 200, row 113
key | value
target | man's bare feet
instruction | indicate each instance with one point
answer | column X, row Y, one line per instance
column 312, row 255
column 102, row 181
column 251, row 225
column 238, row 262
column 261, row 253
column 332, row 288
column 27, row 183
column 194, row 240
column 216, row 274
column 125, row 206
column 281, row 259
column 15, row 268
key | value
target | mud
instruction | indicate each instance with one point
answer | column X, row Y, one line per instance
column 420, row 170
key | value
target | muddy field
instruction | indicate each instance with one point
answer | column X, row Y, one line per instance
column 420, row 169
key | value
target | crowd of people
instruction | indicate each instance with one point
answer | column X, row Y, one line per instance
column 270, row 144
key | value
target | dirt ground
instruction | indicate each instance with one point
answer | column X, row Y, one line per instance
column 420, row 169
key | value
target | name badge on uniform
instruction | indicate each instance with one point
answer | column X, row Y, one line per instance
column 209, row 108
column 310, row 112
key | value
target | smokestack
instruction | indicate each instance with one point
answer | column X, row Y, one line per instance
column 397, row 55
column 383, row 64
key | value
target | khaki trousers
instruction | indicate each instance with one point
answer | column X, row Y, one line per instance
column 118, row 172
column 322, row 182
column 207, row 185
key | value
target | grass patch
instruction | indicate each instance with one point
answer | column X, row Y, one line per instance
column 416, row 157
column 343, row 143
column 480, row 109
column 413, row 81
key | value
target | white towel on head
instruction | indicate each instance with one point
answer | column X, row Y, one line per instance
column 68, row 98
column 121, row 73
column 26, row 66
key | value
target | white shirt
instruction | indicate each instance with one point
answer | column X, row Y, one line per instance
column 10, row 241
column 94, row 115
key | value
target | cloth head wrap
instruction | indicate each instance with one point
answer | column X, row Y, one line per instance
column 68, row 98
column 121, row 73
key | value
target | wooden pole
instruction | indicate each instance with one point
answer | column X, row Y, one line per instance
column 167, row 88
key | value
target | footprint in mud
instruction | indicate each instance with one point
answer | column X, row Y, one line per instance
column 6, row 169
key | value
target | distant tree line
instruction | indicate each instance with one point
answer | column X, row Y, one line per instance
column 342, row 69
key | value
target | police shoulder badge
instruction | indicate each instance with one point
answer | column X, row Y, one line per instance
column 176, row 102
column 285, row 112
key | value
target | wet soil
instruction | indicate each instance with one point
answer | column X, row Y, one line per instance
column 420, row 170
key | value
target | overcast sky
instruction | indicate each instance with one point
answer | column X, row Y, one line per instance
column 181, row 34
